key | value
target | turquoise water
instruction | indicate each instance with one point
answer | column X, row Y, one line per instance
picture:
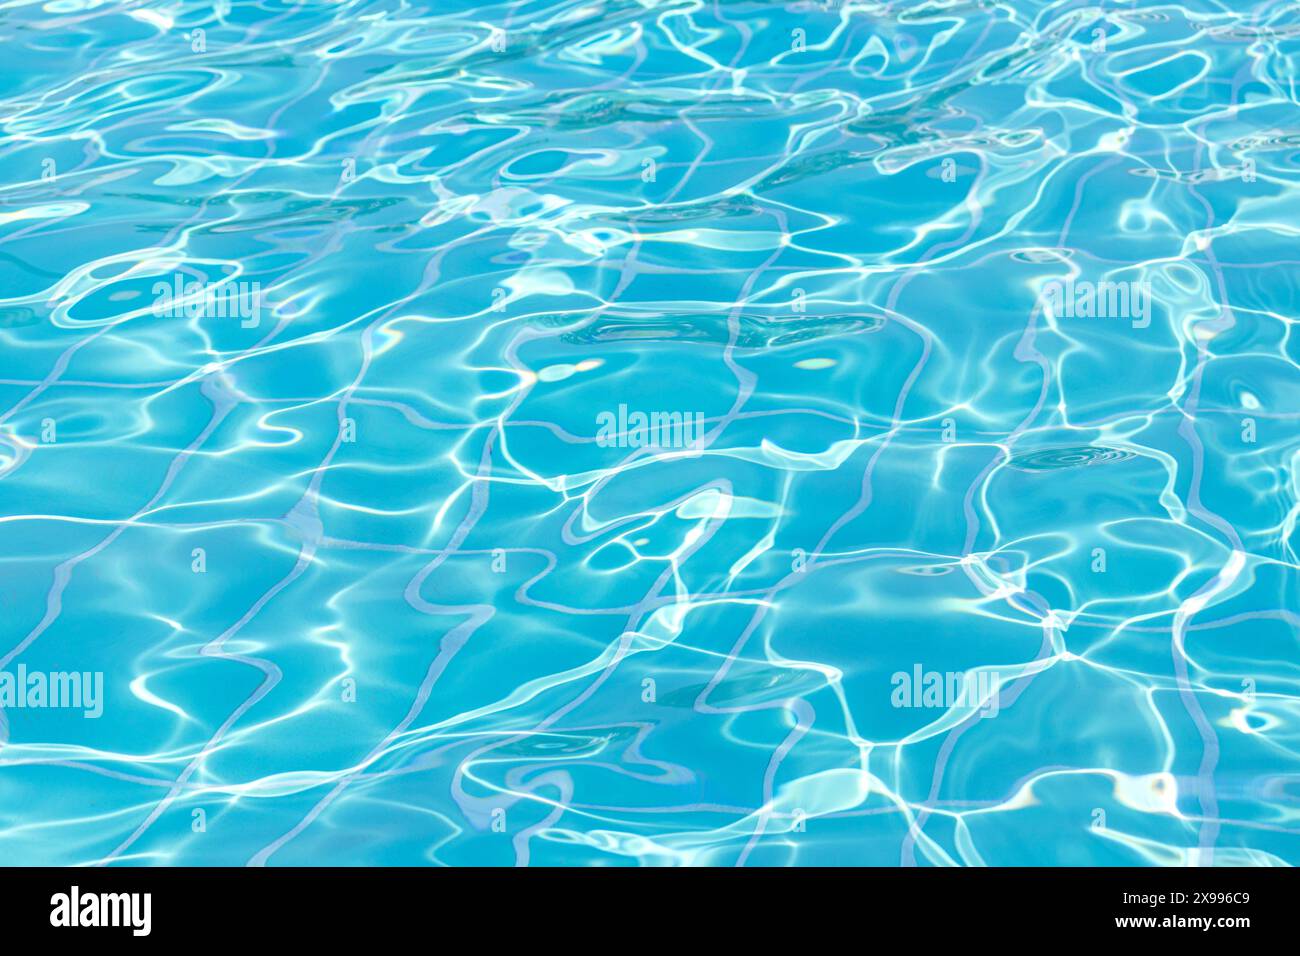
column 649, row 432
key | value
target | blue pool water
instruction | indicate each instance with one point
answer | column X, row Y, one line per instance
column 649, row 432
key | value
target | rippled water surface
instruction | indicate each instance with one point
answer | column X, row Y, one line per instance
column 649, row 432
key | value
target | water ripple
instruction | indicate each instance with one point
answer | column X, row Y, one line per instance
column 649, row 432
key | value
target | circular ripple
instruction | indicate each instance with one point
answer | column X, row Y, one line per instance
column 1041, row 255
column 1078, row 456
